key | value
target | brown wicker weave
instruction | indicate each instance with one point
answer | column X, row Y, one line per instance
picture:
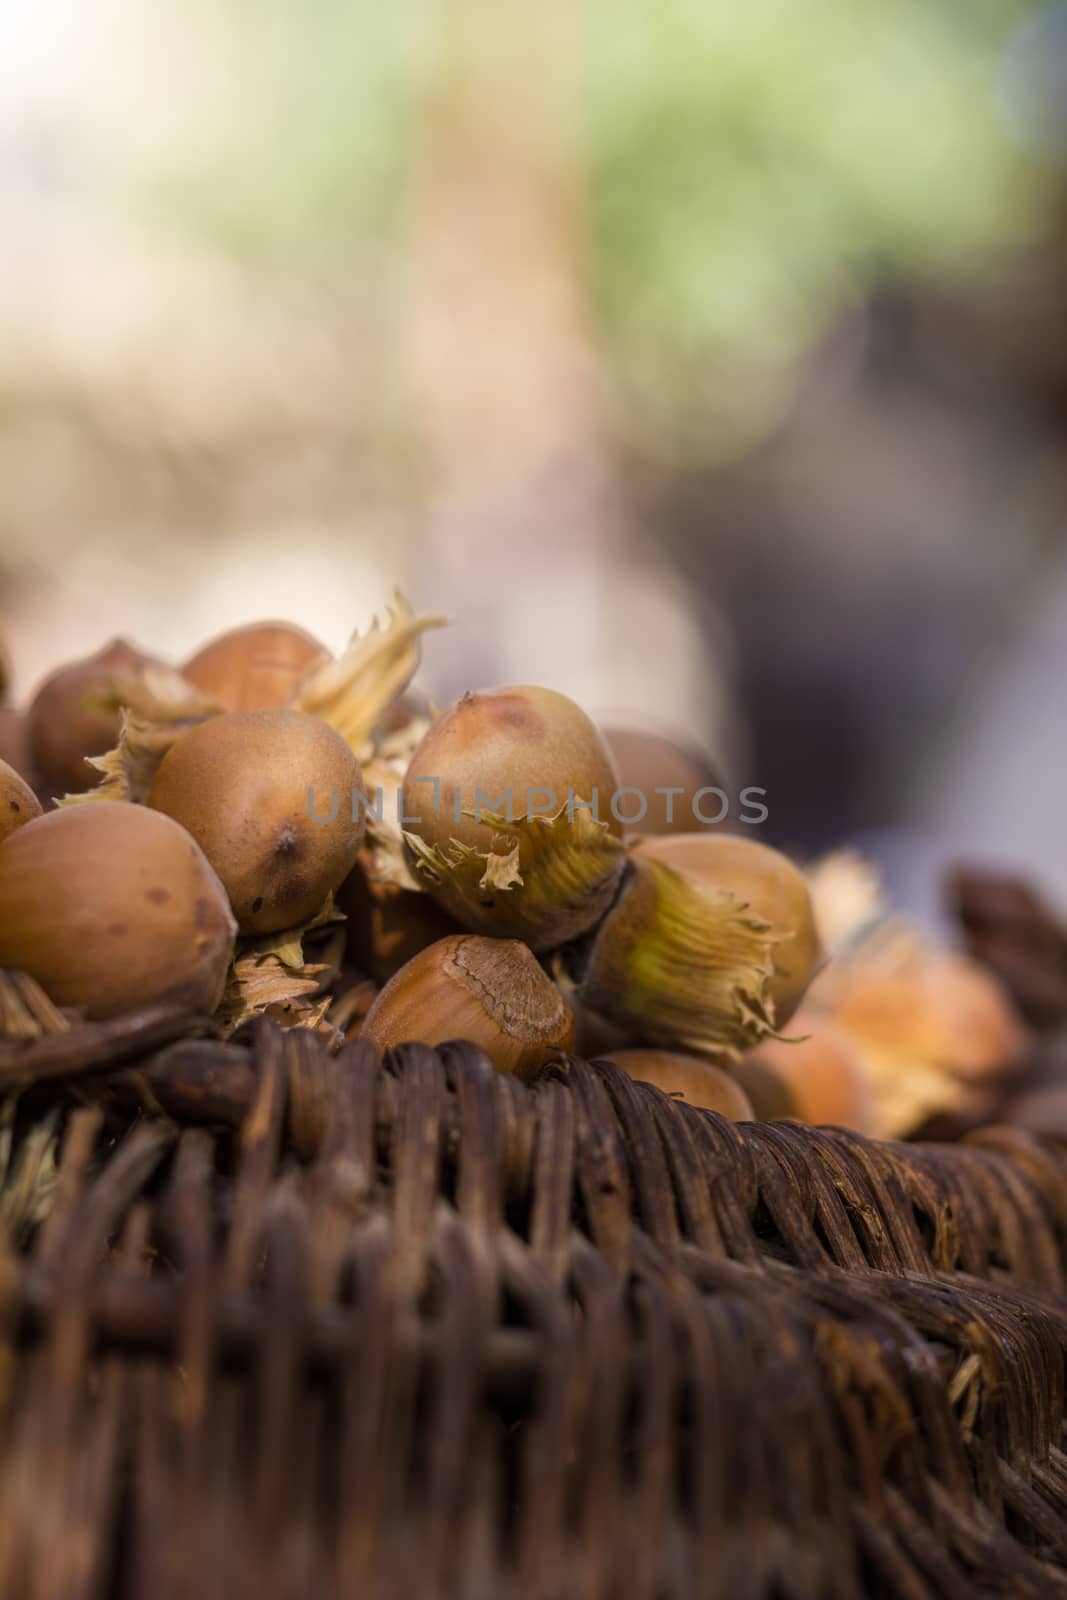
column 414, row 1331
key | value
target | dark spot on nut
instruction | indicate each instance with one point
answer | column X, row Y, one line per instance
column 15, row 805
column 159, row 897
column 518, row 715
column 257, row 904
column 118, row 929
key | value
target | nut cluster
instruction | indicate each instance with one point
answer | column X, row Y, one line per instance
column 184, row 861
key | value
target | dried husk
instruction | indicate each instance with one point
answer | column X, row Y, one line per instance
column 353, row 692
column 129, row 770
column 262, row 985
column 386, row 859
column 75, row 715
column 348, row 1010
column 848, row 897
column 159, row 694
column 271, row 976
column 929, row 1023
column 350, row 693
column 552, row 879
column 156, row 706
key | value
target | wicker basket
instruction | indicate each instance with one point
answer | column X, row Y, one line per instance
column 300, row 1325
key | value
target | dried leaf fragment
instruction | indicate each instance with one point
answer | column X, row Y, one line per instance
column 352, row 692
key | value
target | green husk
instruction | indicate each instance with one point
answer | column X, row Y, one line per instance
column 680, row 962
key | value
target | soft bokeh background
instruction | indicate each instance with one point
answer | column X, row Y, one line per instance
column 709, row 362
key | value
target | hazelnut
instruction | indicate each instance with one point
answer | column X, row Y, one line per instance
column 496, row 826
column 649, row 762
column 677, row 961
column 18, row 803
column 254, row 668
column 688, row 1078
column 819, row 1077
column 768, row 883
column 67, row 720
column 490, row 992
column 244, row 784
column 111, row 908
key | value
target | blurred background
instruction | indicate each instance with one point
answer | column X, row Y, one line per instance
column 708, row 362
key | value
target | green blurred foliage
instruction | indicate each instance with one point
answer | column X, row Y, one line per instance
column 748, row 163
column 300, row 129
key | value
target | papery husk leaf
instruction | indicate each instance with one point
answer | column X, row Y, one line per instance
column 271, row 971
column 457, row 872
column 158, row 694
column 907, row 1090
column 396, row 749
column 680, row 962
column 287, row 946
column 890, row 994
column 28, row 1181
column 130, row 769
column 503, row 871
column 259, row 984
column 310, row 1014
column 848, row 898
column 385, row 859
column 157, row 706
column 548, row 881
column 352, row 692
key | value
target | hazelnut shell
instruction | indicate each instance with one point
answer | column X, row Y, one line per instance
column 254, row 668
column 531, row 741
column 241, row 783
column 113, row 908
column 818, row 1077
column 63, row 724
column 698, row 1082
column 490, row 992
column 18, row 803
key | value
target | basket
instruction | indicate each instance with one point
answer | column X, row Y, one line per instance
column 301, row 1325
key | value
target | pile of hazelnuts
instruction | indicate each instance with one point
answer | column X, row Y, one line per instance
column 503, row 871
